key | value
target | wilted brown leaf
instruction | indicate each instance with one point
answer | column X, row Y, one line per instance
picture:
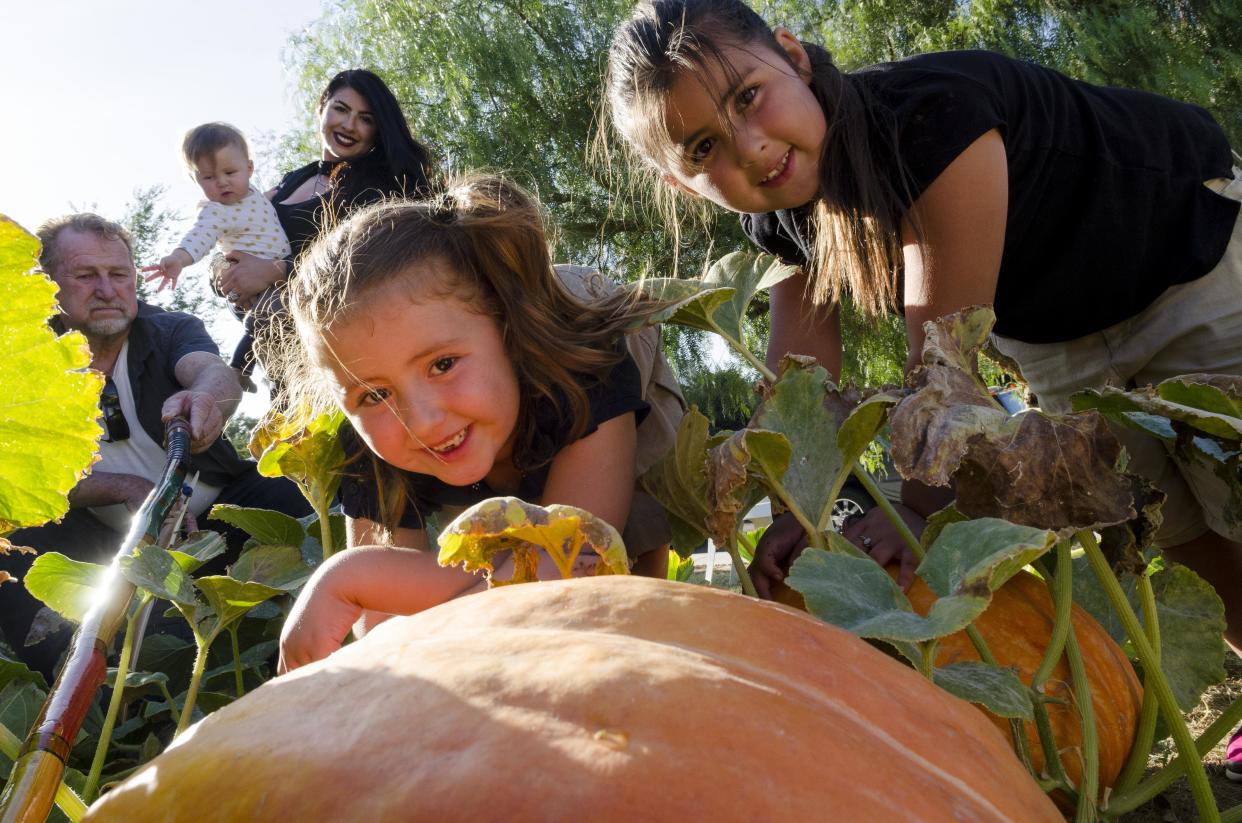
column 955, row 340
column 932, row 428
column 1124, row 543
column 7, row 547
column 1049, row 472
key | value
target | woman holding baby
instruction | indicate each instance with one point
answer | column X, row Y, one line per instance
column 368, row 154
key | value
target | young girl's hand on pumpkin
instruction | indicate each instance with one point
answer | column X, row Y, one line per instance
column 387, row 579
column 321, row 618
column 875, row 534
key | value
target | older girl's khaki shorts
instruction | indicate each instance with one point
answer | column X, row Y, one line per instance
column 1193, row 327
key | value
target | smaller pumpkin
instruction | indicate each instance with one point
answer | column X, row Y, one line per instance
column 1018, row 627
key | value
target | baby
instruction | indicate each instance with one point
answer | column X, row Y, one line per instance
column 234, row 217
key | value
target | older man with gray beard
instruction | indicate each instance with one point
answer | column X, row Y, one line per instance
column 158, row 364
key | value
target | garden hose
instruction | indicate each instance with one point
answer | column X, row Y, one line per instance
column 36, row 774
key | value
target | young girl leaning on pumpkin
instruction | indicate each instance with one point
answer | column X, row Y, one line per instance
column 1101, row 223
column 467, row 369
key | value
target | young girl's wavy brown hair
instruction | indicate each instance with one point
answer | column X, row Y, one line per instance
column 487, row 235
column 863, row 196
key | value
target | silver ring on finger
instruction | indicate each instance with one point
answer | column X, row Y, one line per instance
column 867, row 541
column 233, row 296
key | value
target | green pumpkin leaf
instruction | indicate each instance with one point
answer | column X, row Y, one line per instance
column 500, row 524
column 153, row 569
column 679, row 568
column 690, row 303
column 983, row 552
column 678, row 480
column 20, row 704
column 858, row 595
column 65, row 586
column 264, row 525
column 747, row 273
column 12, row 671
column 937, row 523
column 166, row 653
column 718, row 302
column 1193, row 400
column 1216, row 393
column 995, row 688
column 197, row 548
column 138, row 684
column 135, row 680
column 229, row 600
column 740, row 471
column 304, row 448
column 1226, row 465
column 48, row 417
column 280, row 567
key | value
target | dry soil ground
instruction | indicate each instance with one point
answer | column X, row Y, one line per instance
column 1176, row 804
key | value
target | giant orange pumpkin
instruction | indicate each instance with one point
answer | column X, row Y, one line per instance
column 1017, row 627
column 601, row 699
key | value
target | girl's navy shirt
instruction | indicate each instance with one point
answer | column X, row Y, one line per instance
column 618, row 393
column 1107, row 203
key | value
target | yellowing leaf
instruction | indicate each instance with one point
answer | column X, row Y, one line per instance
column 503, row 524
column 48, row 401
column 304, row 448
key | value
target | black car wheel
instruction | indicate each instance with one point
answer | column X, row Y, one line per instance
column 851, row 502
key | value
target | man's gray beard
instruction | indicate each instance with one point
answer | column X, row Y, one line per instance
column 108, row 328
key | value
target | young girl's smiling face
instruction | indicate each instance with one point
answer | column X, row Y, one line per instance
column 767, row 157
column 425, row 379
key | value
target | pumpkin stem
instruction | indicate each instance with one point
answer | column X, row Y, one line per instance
column 1060, row 587
column 1205, row 803
column 1048, row 742
column 739, row 565
column 1086, row 811
column 1143, row 739
column 191, row 695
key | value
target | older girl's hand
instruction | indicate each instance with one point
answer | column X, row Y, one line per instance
column 245, row 277
column 876, row 535
column 779, row 547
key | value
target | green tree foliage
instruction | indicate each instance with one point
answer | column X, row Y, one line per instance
column 1185, row 49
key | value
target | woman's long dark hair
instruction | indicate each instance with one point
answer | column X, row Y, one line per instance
column 399, row 164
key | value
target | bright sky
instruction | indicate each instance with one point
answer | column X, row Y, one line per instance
column 101, row 93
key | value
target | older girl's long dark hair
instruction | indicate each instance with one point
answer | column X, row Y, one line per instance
column 863, row 193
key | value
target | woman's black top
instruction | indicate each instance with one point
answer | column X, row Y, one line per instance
column 618, row 393
column 358, row 183
column 1107, row 203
